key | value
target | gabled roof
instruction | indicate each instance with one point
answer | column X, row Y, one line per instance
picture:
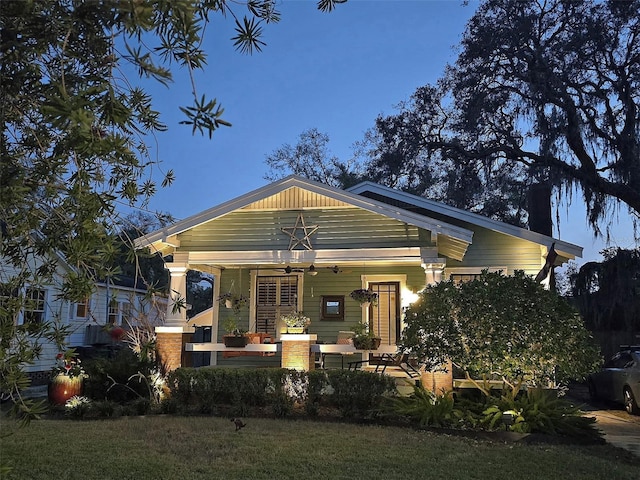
column 564, row 249
column 164, row 235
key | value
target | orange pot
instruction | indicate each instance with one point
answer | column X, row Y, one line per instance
column 63, row 387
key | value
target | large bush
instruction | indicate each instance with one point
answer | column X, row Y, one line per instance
column 509, row 326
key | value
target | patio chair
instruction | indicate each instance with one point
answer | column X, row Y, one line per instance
column 400, row 360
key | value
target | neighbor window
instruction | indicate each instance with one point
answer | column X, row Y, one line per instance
column 82, row 308
column 34, row 305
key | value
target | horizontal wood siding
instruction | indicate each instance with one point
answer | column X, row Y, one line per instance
column 295, row 198
column 337, row 228
column 490, row 249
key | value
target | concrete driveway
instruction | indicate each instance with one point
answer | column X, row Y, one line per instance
column 619, row 428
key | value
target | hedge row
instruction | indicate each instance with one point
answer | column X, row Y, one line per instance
column 241, row 392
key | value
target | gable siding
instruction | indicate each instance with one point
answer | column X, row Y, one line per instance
column 337, row 228
column 490, row 248
column 295, row 198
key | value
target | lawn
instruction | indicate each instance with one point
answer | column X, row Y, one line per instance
column 168, row 447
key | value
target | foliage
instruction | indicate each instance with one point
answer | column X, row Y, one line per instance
column 77, row 406
column 355, row 394
column 607, row 292
column 545, row 91
column 364, row 338
column 310, row 158
column 68, row 363
column 118, row 378
column 75, row 122
column 296, row 319
column 230, row 326
column 364, row 295
column 539, row 411
column 508, row 326
column 234, row 301
column 424, row 407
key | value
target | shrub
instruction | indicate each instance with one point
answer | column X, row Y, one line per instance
column 109, row 378
column 424, row 407
column 540, row 411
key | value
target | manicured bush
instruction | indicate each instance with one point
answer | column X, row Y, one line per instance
column 275, row 390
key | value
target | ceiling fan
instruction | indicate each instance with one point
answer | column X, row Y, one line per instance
column 335, row 269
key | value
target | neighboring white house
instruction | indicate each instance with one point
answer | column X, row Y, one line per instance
column 119, row 302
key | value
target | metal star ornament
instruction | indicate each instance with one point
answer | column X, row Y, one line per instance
column 305, row 230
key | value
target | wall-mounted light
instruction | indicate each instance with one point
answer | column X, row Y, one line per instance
column 312, row 270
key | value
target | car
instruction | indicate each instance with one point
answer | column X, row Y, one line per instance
column 619, row 380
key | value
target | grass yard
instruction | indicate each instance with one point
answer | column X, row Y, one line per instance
column 168, row 447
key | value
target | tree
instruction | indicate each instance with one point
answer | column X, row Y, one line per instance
column 551, row 85
column 74, row 128
column 608, row 292
column 311, row 158
column 508, row 326
column 398, row 158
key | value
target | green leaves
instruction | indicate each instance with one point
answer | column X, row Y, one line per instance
column 204, row 116
column 508, row 326
column 248, row 36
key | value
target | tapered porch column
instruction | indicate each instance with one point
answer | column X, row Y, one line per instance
column 440, row 380
column 169, row 335
column 433, row 271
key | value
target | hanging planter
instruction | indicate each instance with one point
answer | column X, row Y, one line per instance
column 365, row 297
column 232, row 301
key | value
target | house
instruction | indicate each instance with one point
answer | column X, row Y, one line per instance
column 120, row 302
column 299, row 245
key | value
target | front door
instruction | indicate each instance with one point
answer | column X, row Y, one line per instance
column 384, row 318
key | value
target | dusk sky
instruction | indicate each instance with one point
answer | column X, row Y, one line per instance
column 331, row 71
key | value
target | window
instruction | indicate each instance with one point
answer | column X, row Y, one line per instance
column 34, row 305
column 82, row 308
column 127, row 313
column 114, row 312
column 332, row 308
column 459, row 278
column 275, row 296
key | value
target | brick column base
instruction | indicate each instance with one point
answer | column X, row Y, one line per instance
column 169, row 347
column 296, row 351
column 439, row 381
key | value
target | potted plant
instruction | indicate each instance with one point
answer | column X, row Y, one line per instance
column 67, row 377
column 235, row 336
column 364, row 338
column 233, row 301
column 296, row 322
column 364, row 297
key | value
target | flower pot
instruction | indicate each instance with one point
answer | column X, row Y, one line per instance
column 295, row 329
column 62, row 388
column 365, row 304
column 228, row 303
column 366, row 343
column 235, row 341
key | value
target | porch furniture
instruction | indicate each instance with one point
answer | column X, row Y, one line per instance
column 399, row 359
column 349, row 349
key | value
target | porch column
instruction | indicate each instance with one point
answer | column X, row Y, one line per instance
column 296, row 351
column 440, row 380
column 169, row 336
column 433, row 271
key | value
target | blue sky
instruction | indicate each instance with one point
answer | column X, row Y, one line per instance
column 332, row 71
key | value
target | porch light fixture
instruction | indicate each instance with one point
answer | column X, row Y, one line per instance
column 312, row 270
